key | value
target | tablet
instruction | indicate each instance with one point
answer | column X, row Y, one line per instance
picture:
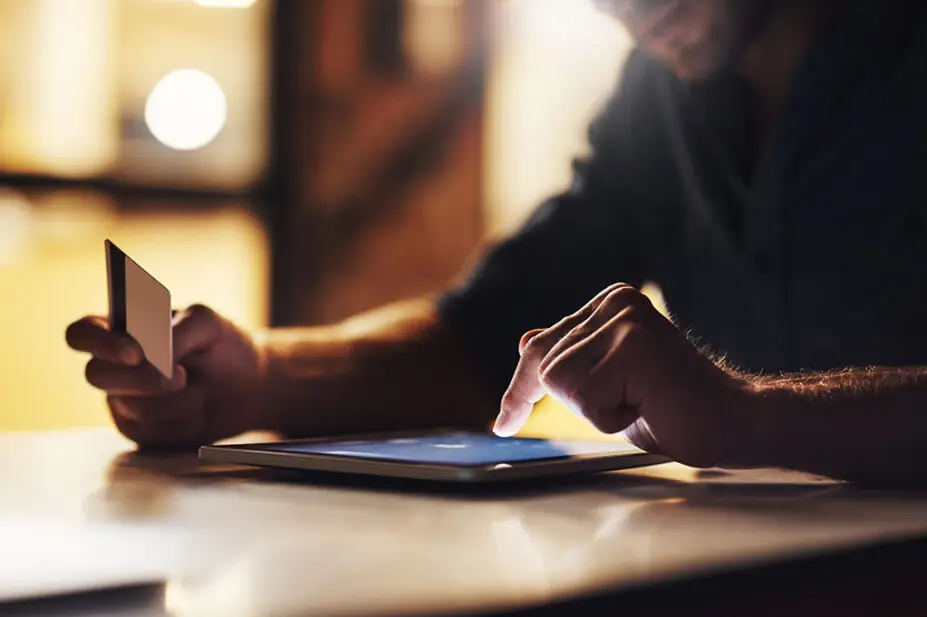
column 453, row 456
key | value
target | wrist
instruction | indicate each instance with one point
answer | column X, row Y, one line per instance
column 303, row 375
column 760, row 438
column 263, row 409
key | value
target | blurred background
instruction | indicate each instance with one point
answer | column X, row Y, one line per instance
column 286, row 162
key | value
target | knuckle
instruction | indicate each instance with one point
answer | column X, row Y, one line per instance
column 617, row 286
column 632, row 319
column 509, row 400
column 527, row 337
column 580, row 331
column 198, row 322
column 548, row 376
column 621, row 297
column 200, row 312
column 539, row 344
column 556, row 375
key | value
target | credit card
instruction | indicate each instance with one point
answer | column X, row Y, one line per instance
column 140, row 306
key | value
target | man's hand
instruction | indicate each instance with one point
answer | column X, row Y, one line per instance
column 623, row 366
column 215, row 392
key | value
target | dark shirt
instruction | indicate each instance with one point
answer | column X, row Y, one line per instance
column 808, row 251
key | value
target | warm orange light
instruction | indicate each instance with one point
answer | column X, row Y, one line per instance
column 434, row 34
column 226, row 4
column 59, row 111
column 15, row 227
column 555, row 62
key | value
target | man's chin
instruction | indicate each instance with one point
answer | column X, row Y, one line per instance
column 694, row 74
column 695, row 69
column 693, row 64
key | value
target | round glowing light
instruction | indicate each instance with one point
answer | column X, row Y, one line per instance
column 186, row 109
column 565, row 21
column 228, row 4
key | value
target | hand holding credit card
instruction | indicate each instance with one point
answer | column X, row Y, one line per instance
column 172, row 379
column 140, row 306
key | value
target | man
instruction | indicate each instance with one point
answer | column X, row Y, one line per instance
column 763, row 161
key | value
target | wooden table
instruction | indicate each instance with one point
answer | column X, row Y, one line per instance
column 242, row 542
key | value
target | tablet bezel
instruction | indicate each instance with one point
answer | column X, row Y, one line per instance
column 260, row 454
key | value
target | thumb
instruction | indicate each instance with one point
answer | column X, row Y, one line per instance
column 195, row 330
column 640, row 436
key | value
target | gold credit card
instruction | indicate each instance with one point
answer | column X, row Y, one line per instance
column 140, row 306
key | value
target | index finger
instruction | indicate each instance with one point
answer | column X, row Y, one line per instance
column 92, row 335
column 522, row 395
column 525, row 389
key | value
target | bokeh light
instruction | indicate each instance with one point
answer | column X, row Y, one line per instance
column 15, row 227
column 186, row 109
column 229, row 4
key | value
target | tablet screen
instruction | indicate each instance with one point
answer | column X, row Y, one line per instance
column 456, row 449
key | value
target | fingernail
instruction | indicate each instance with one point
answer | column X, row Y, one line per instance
column 129, row 355
column 499, row 428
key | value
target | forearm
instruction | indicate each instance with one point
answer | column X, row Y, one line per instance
column 396, row 368
column 865, row 425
